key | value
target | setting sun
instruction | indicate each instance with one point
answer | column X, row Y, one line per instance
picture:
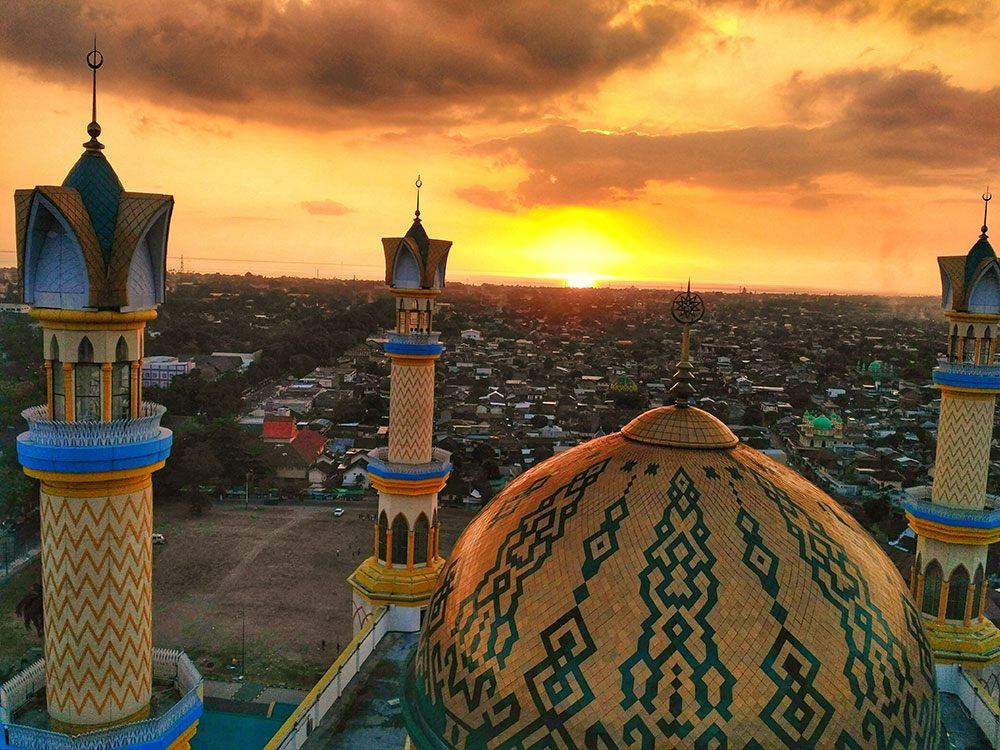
column 580, row 280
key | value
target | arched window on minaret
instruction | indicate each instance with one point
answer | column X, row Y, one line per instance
column 400, row 539
column 420, row 534
column 383, row 528
column 929, row 603
column 58, row 382
column 969, row 346
column 958, row 592
column 121, row 382
column 953, row 344
column 87, row 384
column 977, row 593
column 984, row 348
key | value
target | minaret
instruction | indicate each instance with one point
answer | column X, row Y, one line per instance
column 91, row 262
column 954, row 528
column 410, row 472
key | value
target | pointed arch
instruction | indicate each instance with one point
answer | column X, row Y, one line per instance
column 400, row 539
column 54, row 348
column 58, row 381
column 977, row 593
column 85, row 352
column 984, row 296
column 929, row 602
column 383, row 528
column 55, row 267
column 969, row 345
column 405, row 268
column 421, row 532
column 958, row 592
column 986, row 347
column 121, row 382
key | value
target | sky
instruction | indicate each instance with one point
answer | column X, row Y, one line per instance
column 813, row 144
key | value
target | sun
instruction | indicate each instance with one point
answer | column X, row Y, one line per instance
column 579, row 280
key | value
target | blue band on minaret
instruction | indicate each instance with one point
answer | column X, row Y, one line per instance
column 396, row 347
column 967, row 380
column 95, row 458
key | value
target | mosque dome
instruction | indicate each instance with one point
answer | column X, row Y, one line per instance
column 624, row 384
column 875, row 367
column 667, row 586
column 822, row 423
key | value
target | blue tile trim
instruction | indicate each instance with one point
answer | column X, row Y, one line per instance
column 436, row 474
column 83, row 460
column 961, row 380
column 393, row 347
column 959, row 518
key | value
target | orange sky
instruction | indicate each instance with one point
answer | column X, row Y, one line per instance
column 835, row 144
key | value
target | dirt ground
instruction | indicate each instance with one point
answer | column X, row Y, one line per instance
column 278, row 565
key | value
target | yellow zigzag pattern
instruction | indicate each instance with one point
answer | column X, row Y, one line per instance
column 97, row 589
column 411, row 414
column 963, row 451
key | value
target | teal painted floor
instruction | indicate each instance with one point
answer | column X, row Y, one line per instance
column 220, row 730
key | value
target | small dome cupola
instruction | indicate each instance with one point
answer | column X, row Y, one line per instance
column 88, row 244
column 415, row 261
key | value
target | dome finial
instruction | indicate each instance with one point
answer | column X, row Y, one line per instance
column 419, row 184
column 986, row 207
column 94, row 60
column 687, row 308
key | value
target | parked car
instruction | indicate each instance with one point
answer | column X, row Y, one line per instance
column 159, row 539
column 338, row 511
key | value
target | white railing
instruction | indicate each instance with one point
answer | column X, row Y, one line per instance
column 982, row 708
column 379, row 458
column 18, row 689
column 45, row 431
column 294, row 732
column 414, row 338
column 172, row 664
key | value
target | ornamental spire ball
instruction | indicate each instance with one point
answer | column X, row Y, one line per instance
column 987, row 196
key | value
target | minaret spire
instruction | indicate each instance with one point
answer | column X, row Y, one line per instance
column 419, row 183
column 94, row 60
column 987, row 196
column 687, row 308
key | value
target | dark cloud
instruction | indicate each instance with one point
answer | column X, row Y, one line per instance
column 919, row 16
column 327, row 208
column 315, row 63
column 891, row 126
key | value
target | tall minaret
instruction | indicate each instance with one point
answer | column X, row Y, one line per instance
column 91, row 262
column 410, row 472
column 954, row 528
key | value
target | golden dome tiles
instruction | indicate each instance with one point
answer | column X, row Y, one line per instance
column 627, row 594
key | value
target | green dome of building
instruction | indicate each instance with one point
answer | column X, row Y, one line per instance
column 822, row 423
column 624, row 384
column 875, row 366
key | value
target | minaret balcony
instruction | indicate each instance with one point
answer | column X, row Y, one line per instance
column 950, row 524
column 408, row 479
column 967, row 375
column 177, row 704
column 414, row 344
column 92, row 446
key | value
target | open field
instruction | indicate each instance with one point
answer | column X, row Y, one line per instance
column 278, row 564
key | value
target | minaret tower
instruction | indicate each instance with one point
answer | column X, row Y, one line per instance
column 91, row 262
column 410, row 472
column 954, row 528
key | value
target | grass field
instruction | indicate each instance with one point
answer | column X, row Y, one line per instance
column 278, row 565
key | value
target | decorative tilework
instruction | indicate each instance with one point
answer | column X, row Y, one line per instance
column 719, row 602
column 411, row 413
column 965, row 430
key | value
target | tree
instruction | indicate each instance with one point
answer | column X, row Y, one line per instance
column 876, row 509
column 29, row 608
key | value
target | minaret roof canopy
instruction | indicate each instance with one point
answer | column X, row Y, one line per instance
column 963, row 275
column 99, row 187
column 415, row 261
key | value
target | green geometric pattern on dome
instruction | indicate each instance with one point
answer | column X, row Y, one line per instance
column 822, row 423
column 585, row 609
column 100, row 188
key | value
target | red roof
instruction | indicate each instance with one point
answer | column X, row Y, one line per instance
column 309, row 444
column 279, row 428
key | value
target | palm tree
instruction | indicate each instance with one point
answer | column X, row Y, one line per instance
column 30, row 608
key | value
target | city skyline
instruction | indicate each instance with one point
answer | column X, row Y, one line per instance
column 835, row 144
